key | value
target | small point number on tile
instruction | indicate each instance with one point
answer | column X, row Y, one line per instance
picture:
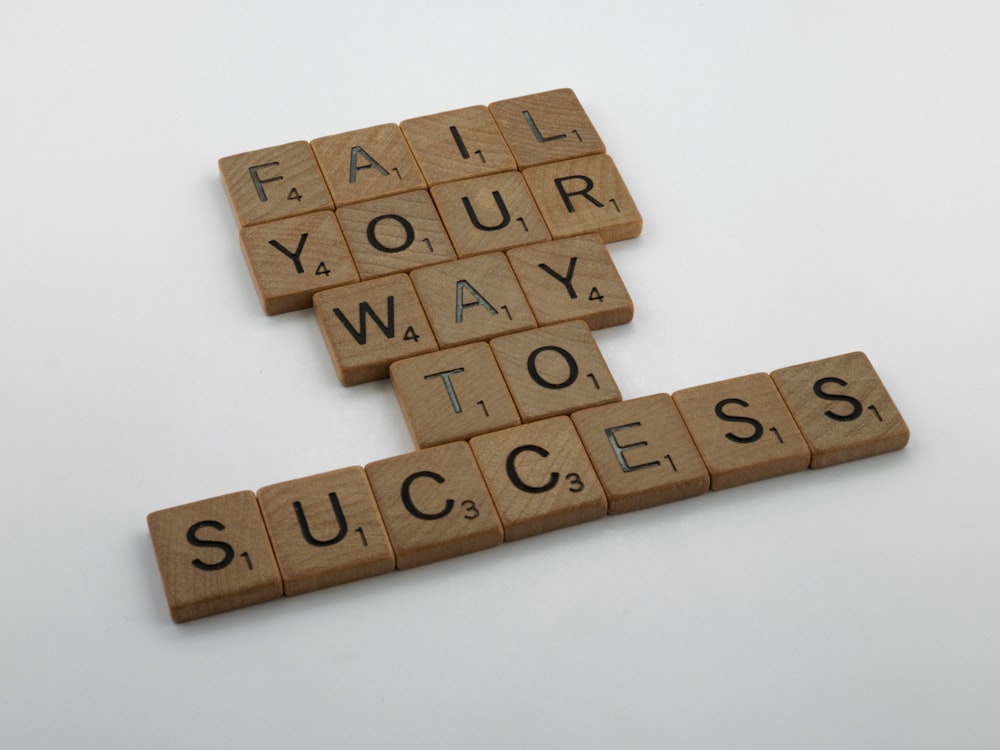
column 294, row 195
column 875, row 411
column 246, row 556
column 777, row 435
column 671, row 461
column 322, row 270
column 523, row 222
column 595, row 295
column 483, row 404
column 471, row 511
column 430, row 247
column 411, row 335
column 575, row 483
column 361, row 532
column 594, row 380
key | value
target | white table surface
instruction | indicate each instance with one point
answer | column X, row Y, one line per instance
column 814, row 178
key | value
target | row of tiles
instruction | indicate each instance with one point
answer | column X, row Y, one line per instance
column 310, row 533
column 359, row 165
column 369, row 325
column 291, row 259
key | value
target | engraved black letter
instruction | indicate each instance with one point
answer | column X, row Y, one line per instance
column 338, row 512
column 517, row 481
column 364, row 311
column 407, row 228
column 227, row 551
column 504, row 213
column 856, row 408
column 408, row 501
column 574, row 369
column 758, row 428
column 567, row 280
column 294, row 256
column 588, row 186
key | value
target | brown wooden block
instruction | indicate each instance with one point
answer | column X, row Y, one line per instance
column 435, row 504
column 273, row 183
column 842, row 408
column 472, row 299
column 487, row 214
column 453, row 394
column 325, row 530
column 395, row 234
column 554, row 370
column 214, row 555
column 369, row 163
column 550, row 126
column 540, row 477
column 585, row 196
column 572, row 279
column 743, row 430
column 369, row 325
column 642, row 452
column 458, row 144
column 292, row 259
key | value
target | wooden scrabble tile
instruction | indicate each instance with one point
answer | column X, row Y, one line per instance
column 487, row 214
column 369, row 163
column 472, row 299
column 554, row 370
column 452, row 394
column 292, row 259
column 273, row 183
column 325, row 530
column 743, row 430
column 435, row 504
column 642, row 452
column 550, row 126
column 842, row 408
column 585, row 196
column 540, row 477
column 457, row 144
column 371, row 324
column 214, row 555
column 572, row 279
column 395, row 234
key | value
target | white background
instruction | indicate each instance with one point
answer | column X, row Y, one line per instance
column 814, row 178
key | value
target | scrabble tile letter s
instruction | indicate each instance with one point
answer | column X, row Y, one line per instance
column 214, row 555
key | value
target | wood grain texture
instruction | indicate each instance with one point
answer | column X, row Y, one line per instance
column 369, row 163
column 554, row 370
column 743, row 430
column 214, row 555
column 292, row 259
column 572, row 279
column 545, row 127
column 585, row 196
column 842, row 408
column 435, row 504
column 370, row 324
column 642, row 452
column 540, row 477
column 325, row 530
column 457, row 144
column 472, row 299
column 274, row 183
column 395, row 234
column 487, row 214
column 452, row 395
